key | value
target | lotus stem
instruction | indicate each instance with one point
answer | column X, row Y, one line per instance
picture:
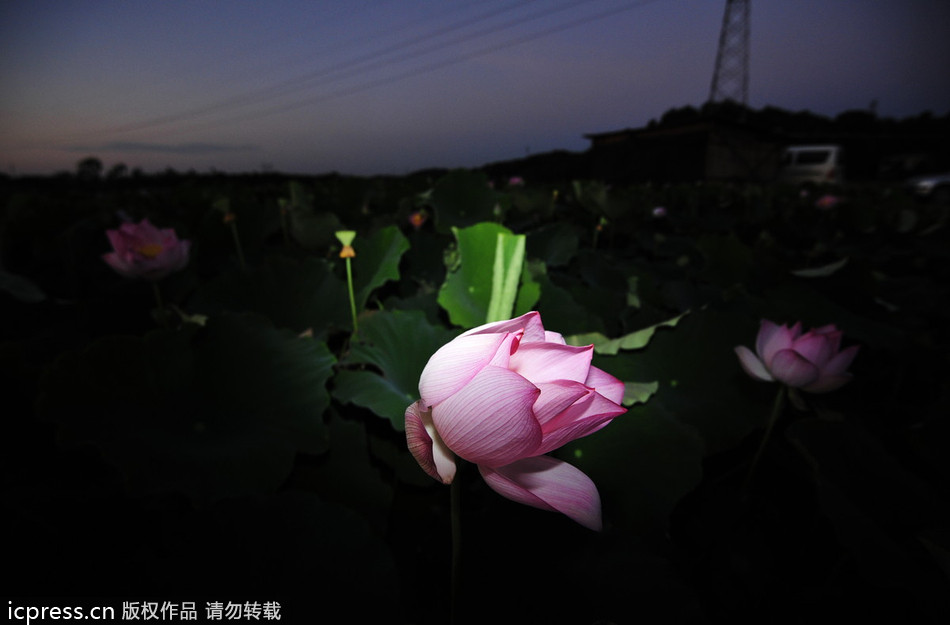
column 284, row 212
column 777, row 407
column 237, row 243
column 345, row 237
column 456, row 512
column 349, row 284
column 160, row 304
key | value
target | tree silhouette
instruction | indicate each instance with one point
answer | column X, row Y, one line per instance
column 119, row 170
column 89, row 168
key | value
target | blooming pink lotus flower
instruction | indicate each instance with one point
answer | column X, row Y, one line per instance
column 143, row 251
column 501, row 396
column 813, row 362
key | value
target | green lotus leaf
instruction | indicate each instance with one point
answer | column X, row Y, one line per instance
column 377, row 261
column 728, row 260
column 484, row 285
column 297, row 294
column 462, row 198
column 346, row 473
column 385, row 361
column 643, row 463
column 610, row 347
column 555, row 244
column 701, row 384
column 212, row 412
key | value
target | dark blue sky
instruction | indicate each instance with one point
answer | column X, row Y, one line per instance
column 389, row 87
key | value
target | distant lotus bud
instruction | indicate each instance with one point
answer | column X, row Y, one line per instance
column 502, row 396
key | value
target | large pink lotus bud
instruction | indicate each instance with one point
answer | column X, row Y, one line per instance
column 501, row 396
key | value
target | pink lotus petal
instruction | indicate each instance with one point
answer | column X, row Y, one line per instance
column 605, row 384
column 503, row 356
column 767, row 329
column 841, row 361
column 426, row 446
column 834, row 374
column 117, row 239
column 129, row 229
column 774, row 338
column 584, row 417
column 141, row 233
column 790, row 368
column 119, row 264
column 546, row 362
column 456, row 363
column 752, row 365
column 554, row 337
column 549, row 484
column 178, row 255
column 557, row 397
column 490, row 420
column 167, row 237
column 834, row 337
column 815, row 348
column 529, row 324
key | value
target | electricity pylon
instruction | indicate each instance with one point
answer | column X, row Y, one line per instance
column 731, row 77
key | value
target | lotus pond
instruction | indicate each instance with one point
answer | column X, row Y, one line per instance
column 235, row 430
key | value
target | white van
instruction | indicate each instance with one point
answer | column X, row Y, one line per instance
column 815, row 164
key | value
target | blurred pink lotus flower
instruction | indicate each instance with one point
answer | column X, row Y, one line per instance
column 140, row 250
column 501, row 396
column 813, row 362
column 516, row 181
column 827, row 202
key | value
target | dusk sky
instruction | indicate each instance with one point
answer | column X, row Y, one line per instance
column 393, row 86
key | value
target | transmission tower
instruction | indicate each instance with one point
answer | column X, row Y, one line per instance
column 731, row 77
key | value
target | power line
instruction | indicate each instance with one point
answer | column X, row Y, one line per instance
column 304, row 81
column 374, row 62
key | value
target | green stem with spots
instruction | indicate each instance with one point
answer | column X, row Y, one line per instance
column 349, row 284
